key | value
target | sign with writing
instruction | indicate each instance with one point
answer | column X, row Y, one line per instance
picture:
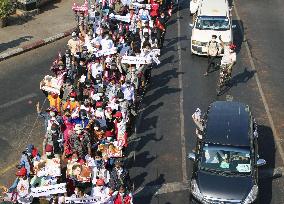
column 106, row 52
column 83, row 200
column 48, row 190
column 134, row 60
column 147, row 6
column 122, row 18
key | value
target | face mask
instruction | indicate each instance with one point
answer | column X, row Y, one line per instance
column 74, row 159
column 83, row 117
column 101, row 187
column 121, row 194
column 98, row 81
column 81, row 64
column 72, row 99
column 74, row 38
column 79, row 132
column 99, row 109
column 52, row 114
column 88, row 86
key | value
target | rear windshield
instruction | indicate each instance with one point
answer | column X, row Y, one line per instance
column 212, row 23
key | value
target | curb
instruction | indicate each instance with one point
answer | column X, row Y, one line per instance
column 34, row 45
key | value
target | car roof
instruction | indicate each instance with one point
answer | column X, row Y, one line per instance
column 214, row 8
column 228, row 123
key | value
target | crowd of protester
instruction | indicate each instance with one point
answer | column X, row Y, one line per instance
column 93, row 94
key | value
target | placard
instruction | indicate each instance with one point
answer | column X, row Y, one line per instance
column 148, row 6
column 88, row 199
column 48, row 190
column 134, row 60
column 106, row 52
column 122, row 18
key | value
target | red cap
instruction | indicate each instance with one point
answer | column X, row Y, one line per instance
column 73, row 94
column 22, row 172
column 118, row 114
column 48, row 148
column 100, row 182
column 232, row 46
column 99, row 104
column 108, row 133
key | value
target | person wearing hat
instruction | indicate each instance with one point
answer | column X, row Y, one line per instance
column 80, row 142
column 161, row 28
column 74, row 43
column 50, row 116
column 213, row 49
column 71, row 103
column 53, row 138
column 119, row 176
column 100, row 190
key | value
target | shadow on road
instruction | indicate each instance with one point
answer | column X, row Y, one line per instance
column 14, row 43
column 266, row 151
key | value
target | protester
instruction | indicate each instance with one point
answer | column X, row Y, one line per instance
column 93, row 96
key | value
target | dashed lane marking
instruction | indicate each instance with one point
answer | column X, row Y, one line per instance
column 10, row 103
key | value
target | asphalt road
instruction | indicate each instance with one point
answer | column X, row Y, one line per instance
column 157, row 165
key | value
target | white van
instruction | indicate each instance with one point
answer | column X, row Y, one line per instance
column 213, row 18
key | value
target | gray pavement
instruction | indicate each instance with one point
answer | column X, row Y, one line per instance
column 54, row 18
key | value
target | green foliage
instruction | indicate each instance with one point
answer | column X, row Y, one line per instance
column 5, row 8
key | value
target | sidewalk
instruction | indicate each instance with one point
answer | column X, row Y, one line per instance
column 55, row 19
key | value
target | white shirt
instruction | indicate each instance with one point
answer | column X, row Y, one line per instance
column 107, row 44
column 128, row 92
column 228, row 57
column 102, row 193
column 96, row 69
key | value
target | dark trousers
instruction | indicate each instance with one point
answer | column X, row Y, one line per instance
column 211, row 62
column 160, row 37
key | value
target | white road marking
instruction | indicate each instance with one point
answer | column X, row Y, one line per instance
column 182, row 136
column 275, row 134
column 161, row 189
column 10, row 103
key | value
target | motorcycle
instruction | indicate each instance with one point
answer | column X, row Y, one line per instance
column 224, row 78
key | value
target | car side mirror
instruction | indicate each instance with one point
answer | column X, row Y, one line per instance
column 234, row 26
column 191, row 156
column 260, row 162
column 191, row 25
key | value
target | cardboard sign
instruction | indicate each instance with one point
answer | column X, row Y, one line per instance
column 48, row 190
column 88, row 199
column 51, row 84
column 148, row 6
column 106, row 52
column 134, row 60
column 122, row 18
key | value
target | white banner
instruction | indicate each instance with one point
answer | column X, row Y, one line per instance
column 106, row 52
column 134, row 60
column 48, row 190
column 88, row 199
column 122, row 18
column 148, row 6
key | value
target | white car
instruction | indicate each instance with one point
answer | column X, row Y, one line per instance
column 213, row 17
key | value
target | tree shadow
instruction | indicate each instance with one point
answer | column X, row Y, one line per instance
column 173, row 41
column 267, row 151
column 146, row 194
column 145, row 158
column 14, row 43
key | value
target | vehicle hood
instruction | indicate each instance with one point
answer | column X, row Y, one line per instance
column 224, row 187
column 206, row 35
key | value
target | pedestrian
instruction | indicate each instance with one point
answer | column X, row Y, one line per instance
column 212, row 53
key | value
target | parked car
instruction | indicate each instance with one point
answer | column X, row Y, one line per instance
column 226, row 161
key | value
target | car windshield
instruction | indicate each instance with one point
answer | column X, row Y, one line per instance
column 212, row 23
column 225, row 159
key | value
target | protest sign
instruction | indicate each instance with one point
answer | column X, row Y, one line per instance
column 106, row 52
column 138, row 5
column 134, row 60
column 48, row 190
column 95, row 200
column 122, row 18
column 51, row 84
